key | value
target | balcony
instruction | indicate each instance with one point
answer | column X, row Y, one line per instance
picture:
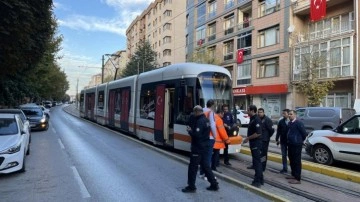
column 245, row 24
column 229, row 30
column 229, row 56
column 302, row 7
column 212, row 37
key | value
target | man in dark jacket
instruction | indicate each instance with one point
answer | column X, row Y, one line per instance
column 267, row 132
column 281, row 132
column 295, row 138
column 200, row 143
column 230, row 127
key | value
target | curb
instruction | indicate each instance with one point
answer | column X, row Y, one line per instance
column 314, row 167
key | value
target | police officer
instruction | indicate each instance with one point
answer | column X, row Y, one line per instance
column 267, row 132
column 200, row 143
column 255, row 140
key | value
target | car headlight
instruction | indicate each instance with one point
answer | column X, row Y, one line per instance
column 13, row 149
column 43, row 119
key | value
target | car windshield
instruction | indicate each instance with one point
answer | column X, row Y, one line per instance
column 8, row 126
column 33, row 112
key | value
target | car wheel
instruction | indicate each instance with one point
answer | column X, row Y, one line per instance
column 28, row 150
column 323, row 155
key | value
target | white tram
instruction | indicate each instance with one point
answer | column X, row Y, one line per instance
column 156, row 105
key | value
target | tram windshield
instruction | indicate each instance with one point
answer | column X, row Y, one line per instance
column 216, row 86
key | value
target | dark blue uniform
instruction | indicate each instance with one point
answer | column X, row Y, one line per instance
column 200, row 147
column 267, row 132
column 229, row 121
column 255, row 126
column 282, row 131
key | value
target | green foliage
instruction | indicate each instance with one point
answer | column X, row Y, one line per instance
column 313, row 88
column 143, row 60
column 204, row 56
column 28, row 53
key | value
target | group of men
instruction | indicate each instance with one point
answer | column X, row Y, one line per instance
column 210, row 132
column 290, row 135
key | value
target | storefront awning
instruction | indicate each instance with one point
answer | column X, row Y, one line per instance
column 268, row 89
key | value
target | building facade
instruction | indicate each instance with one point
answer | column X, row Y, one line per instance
column 273, row 39
column 115, row 64
column 163, row 25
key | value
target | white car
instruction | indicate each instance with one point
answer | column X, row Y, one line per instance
column 341, row 144
column 242, row 117
column 46, row 111
column 14, row 143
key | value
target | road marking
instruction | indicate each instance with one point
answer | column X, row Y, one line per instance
column 61, row 144
column 83, row 190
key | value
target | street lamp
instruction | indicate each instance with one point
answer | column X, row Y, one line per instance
column 103, row 65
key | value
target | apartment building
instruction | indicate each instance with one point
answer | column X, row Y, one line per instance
column 115, row 63
column 259, row 29
column 333, row 38
column 95, row 80
column 163, row 25
column 273, row 37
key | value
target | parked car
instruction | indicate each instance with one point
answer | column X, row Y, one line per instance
column 242, row 117
column 323, row 118
column 47, row 104
column 340, row 144
column 46, row 111
column 14, row 143
column 38, row 119
column 21, row 115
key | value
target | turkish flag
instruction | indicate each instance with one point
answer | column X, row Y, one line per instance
column 240, row 56
column 317, row 9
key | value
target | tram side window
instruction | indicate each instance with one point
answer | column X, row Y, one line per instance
column 118, row 101
column 147, row 104
column 100, row 103
column 186, row 105
column 81, row 100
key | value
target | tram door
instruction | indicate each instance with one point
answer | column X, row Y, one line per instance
column 159, row 113
column 125, row 106
column 90, row 106
column 111, row 110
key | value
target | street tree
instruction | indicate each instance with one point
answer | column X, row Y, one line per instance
column 204, row 56
column 310, row 73
column 143, row 60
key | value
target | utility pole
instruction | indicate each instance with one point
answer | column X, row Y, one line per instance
column 102, row 68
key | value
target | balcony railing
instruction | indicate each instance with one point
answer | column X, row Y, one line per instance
column 229, row 30
column 244, row 24
column 327, row 32
column 229, row 56
column 212, row 37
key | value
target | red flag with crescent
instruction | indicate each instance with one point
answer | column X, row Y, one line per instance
column 317, row 9
column 240, row 56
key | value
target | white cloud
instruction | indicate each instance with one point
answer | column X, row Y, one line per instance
column 126, row 13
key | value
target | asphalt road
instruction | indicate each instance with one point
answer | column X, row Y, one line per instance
column 78, row 161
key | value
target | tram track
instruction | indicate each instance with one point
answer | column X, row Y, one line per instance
column 293, row 190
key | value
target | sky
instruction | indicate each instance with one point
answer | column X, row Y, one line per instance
column 90, row 29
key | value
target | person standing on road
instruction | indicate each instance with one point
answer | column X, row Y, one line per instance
column 200, row 144
column 267, row 132
column 230, row 127
column 221, row 138
column 281, row 138
column 255, row 140
column 295, row 138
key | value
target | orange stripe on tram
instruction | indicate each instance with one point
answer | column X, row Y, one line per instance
column 181, row 137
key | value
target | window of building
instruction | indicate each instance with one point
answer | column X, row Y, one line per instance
column 268, row 37
column 267, row 7
column 212, row 52
column 244, row 73
column 244, row 42
column 229, row 24
column 268, row 68
column 201, row 13
column 228, row 50
column 167, row 39
column 337, row 100
column 212, row 31
column 167, row 2
column 166, row 64
column 167, row 52
column 200, row 35
column 229, row 3
column 212, row 9
column 167, row 26
column 167, row 13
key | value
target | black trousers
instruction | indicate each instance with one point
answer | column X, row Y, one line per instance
column 295, row 160
column 195, row 161
column 226, row 153
column 255, row 147
column 264, row 153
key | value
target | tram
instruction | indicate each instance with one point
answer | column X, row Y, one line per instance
column 156, row 105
